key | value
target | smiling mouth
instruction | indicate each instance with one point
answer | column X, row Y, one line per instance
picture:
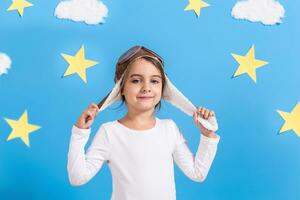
column 144, row 97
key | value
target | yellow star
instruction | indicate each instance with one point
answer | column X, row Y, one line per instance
column 196, row 5
column 21, row 128
column 248, row 64
column 78, row 64
column 292, row 120
column 19, row 5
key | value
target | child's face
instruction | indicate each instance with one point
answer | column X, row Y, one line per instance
column 142, row 89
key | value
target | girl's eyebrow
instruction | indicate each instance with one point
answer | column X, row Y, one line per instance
column 141, row 75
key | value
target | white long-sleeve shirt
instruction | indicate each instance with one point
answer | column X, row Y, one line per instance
column 141, row 161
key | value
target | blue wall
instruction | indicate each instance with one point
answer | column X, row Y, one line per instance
column 253, row 161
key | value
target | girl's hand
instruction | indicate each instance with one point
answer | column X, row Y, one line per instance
column 205, row 114
column 87, row 117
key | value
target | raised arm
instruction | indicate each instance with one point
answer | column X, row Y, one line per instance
column 196, row 167
column 82, row 166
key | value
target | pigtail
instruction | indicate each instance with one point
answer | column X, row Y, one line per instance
column 103, row 100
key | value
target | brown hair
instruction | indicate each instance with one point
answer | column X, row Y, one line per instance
column 124, row 68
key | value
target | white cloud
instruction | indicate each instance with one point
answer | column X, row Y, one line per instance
column 268, row 12
column 88, row 11
column 5, row 63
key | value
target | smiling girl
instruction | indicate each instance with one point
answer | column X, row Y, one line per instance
column 140, row 148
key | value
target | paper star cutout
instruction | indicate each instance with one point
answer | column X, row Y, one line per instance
column 196, row 5
column 78, row 64
column 21, row 128
column 19, row 5
column 248, row 64
column 292, row 120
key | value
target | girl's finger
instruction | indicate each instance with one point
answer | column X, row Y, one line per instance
column 195, row 117
column 94, row 111
column 90, row 114
column 206, row 114
column 203, row 112
column 198, row 110
column 92, row 106
column 85, row 113
column 95, row 106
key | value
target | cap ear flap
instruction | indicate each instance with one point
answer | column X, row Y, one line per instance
column 176, row 98
column 113, row 96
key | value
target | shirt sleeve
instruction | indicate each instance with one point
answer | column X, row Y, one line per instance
column 194, row 167
column 83, row 166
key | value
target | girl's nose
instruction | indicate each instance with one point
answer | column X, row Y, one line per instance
column 146, row 88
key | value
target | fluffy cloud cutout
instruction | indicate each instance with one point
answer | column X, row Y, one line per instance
column 268, row 12
column 89, row 11
column 5, row 63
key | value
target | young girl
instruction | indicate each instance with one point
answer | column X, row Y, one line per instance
column 139, row 148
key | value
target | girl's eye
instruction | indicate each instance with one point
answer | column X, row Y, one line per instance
column 134, row 81
column 155, row 81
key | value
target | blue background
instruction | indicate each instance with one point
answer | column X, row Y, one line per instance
column 253, row 161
